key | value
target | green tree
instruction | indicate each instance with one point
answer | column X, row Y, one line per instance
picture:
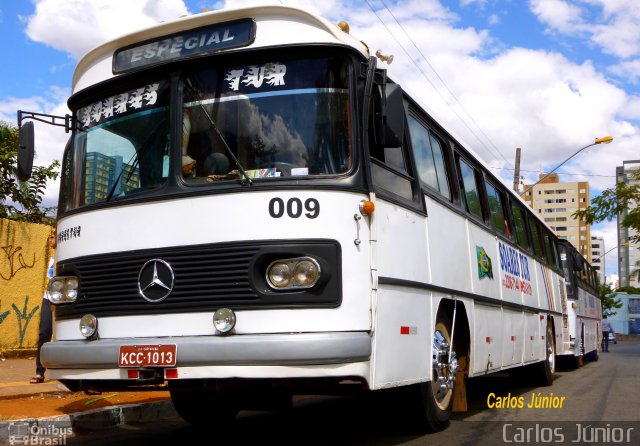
column 22, row 201
column 622, row 200
column 609, row 301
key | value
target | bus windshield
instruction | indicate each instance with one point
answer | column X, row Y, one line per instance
column 264, row 121
column 252, row 122
column 122, row 145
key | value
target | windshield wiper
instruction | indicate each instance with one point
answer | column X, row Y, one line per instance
column 247, row 180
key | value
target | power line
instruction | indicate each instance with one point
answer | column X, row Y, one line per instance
column 559, row 173
column 499, row 154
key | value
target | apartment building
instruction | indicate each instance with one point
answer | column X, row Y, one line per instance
column 556, row 202
column 598, row 257
column 628, row 253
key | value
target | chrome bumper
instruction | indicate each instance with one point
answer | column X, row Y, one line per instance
column 268, row 349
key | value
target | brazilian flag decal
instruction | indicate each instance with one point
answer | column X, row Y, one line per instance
column 484, row 264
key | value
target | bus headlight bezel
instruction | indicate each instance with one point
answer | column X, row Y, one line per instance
column 88, row 326
column 63, row 289
column 293, row 274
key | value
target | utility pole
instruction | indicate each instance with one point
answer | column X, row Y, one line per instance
column 516, row 174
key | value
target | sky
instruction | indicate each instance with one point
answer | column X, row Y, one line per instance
column 548, row 76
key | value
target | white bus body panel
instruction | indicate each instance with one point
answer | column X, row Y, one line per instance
column 447, row 243
column 584, row 321
column 532, row 337
column 513, row 337
column 402, row 316
column 402, row 337
column 199, row 220
column 274, row 27
column 488, row 351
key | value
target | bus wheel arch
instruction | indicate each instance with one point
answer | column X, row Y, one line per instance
column 547, row 368
column 435, row 398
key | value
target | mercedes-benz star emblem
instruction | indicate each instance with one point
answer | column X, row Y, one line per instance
column 155, row 280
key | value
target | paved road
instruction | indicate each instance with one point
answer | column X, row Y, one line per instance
column 600, row 393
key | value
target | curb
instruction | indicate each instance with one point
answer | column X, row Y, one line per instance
column 103, row 418
column 21, row 353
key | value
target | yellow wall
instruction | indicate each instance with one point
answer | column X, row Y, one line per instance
column 24, row 254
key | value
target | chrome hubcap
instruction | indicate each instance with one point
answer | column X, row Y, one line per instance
column 550, row 355
column 444, row 370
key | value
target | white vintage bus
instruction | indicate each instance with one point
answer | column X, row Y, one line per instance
column 250, row 208
column 584, row 308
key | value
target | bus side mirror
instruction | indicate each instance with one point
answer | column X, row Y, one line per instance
column 25, row 151
column 388, row 116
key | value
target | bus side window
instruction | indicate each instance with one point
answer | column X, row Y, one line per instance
column 536, row 237
column 430, row 161
column 594, row 277
column 496, row 209
column 556, row 252
column 520, row 226
column 565, row 258
column 548, row 244
column 470, row 190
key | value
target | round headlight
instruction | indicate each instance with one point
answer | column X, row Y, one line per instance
column 279, row 275
column 306, row 273
column 88, row 325
column 224, row 319
column 55, row 290
column 71, row 288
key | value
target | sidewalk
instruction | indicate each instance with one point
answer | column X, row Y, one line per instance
column 53, row 402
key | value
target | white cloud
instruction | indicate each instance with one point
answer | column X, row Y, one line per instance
column 613, row 25
column 559, row 15
column 631, row 109
column 629, row 70
column 519, row 97
column 76, row 26
column 494, row 19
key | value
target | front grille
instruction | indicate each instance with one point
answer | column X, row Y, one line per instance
column 207, row 277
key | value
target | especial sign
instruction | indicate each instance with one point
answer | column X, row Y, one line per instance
column 183, row 45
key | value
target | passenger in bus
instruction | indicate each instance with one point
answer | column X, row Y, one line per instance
column 216, row 164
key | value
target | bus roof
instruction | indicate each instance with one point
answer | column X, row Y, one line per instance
column 275, row 25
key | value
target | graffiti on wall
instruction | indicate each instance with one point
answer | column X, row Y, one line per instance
column 3, row 315
column 15, row 261
column 24, row 316
column 24, row 254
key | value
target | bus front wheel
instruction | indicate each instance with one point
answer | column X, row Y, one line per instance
column 435, row 398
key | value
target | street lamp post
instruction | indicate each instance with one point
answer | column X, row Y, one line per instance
column 625, row 244
column 615, row 247
column 604, row 140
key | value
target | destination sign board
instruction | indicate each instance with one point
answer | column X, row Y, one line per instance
column 190, row 43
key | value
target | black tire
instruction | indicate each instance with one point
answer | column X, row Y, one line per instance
column 593, row 355
column 432, row 403
column 202, row 407
column 547, row 368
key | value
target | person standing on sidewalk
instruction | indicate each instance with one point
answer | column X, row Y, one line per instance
column 46, row 323
column 606, row 328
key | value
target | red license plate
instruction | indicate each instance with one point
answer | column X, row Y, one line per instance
column 147, row 355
